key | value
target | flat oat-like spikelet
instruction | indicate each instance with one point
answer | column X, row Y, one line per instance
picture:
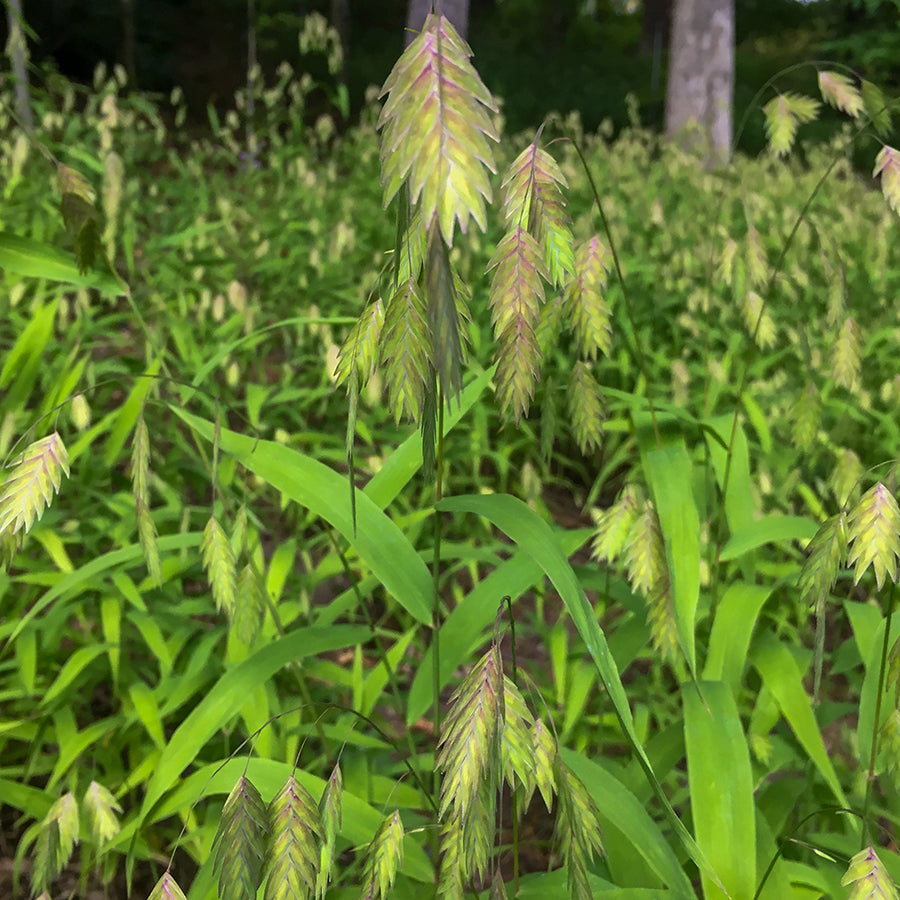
column 293, row 857
column 867, row 878
column 103, row 812
column 383, row 859
column 784, row 115
column 847, row 356
column 140, row 478
column 533, row 198
column 585, row 407
column 436, row 130
column 873, row 535
column 405, row 352
column 56, row 840
column 29, row 488
column 758, row 321
column 467, row 753
column 825, row 556
column 330, row 812
column 166, row 889
column 806, row 416
column 220, row 564
column 516, row 295
column 612, row 526
column 358, row 353
column 585, row 300
column 841, row 93
column 239, row 846
column 887, row 164
column 578, row 830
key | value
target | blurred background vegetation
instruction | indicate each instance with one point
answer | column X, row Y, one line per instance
column 585, row 55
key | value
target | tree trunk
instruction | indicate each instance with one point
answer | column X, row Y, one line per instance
column 17, row 51
column 701, row 77
column 457, row 11
column 656, row 26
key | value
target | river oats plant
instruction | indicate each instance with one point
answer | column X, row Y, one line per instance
column 738, row 784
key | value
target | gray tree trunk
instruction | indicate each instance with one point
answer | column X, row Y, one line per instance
column 700, row 88
column 457, row 11
column 17, row 51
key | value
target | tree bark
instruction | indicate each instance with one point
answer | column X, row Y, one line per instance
column 700, row 88
column 17, row 51
column 457, row 11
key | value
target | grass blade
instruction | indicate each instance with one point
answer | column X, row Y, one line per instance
column 721, row 785
column 379, row 542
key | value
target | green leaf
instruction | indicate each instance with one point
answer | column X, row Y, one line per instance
column 33, row 259
column 729, row 641
column 782, row 676
column 379, row 542
column 223, row 701
column 669, row 474
column 768, row 530
column 721, row 784
column 739, row 511
column 623, row 811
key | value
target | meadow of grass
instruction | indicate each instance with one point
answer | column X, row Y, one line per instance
column 610, row 609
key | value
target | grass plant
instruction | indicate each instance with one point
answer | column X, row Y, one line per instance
column 251, row 650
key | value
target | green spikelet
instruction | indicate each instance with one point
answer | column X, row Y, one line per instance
column 806, row 415
column 250, row 603
column 294, row 855
column 784, row 115
column 166, row 889
column 437, row 130
column 645, row 552
column 868, row 879
column 29, row 488
column 516, row 296
column 612, row 526
column 533, row 198
column 873, row 535
column 140, row 479
column 330, row 814
column 825, row 556
column 889, row 743
column 662, row 619
column 887, row 165
column 56, row 840
column 239, row 847
column 578, row 830
column 517, row 752
column 760, row 324
column 468, row 745
column 359, row 351
column 383, row 859
column 545, row 751
column 844, row 478
column 103, row 812
column 892, row 681
column 585, row 298
column 757, row 260
column 405, row 352
column 585, row 407
column 839, row 91
column 221, row 566
column 847, row 356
